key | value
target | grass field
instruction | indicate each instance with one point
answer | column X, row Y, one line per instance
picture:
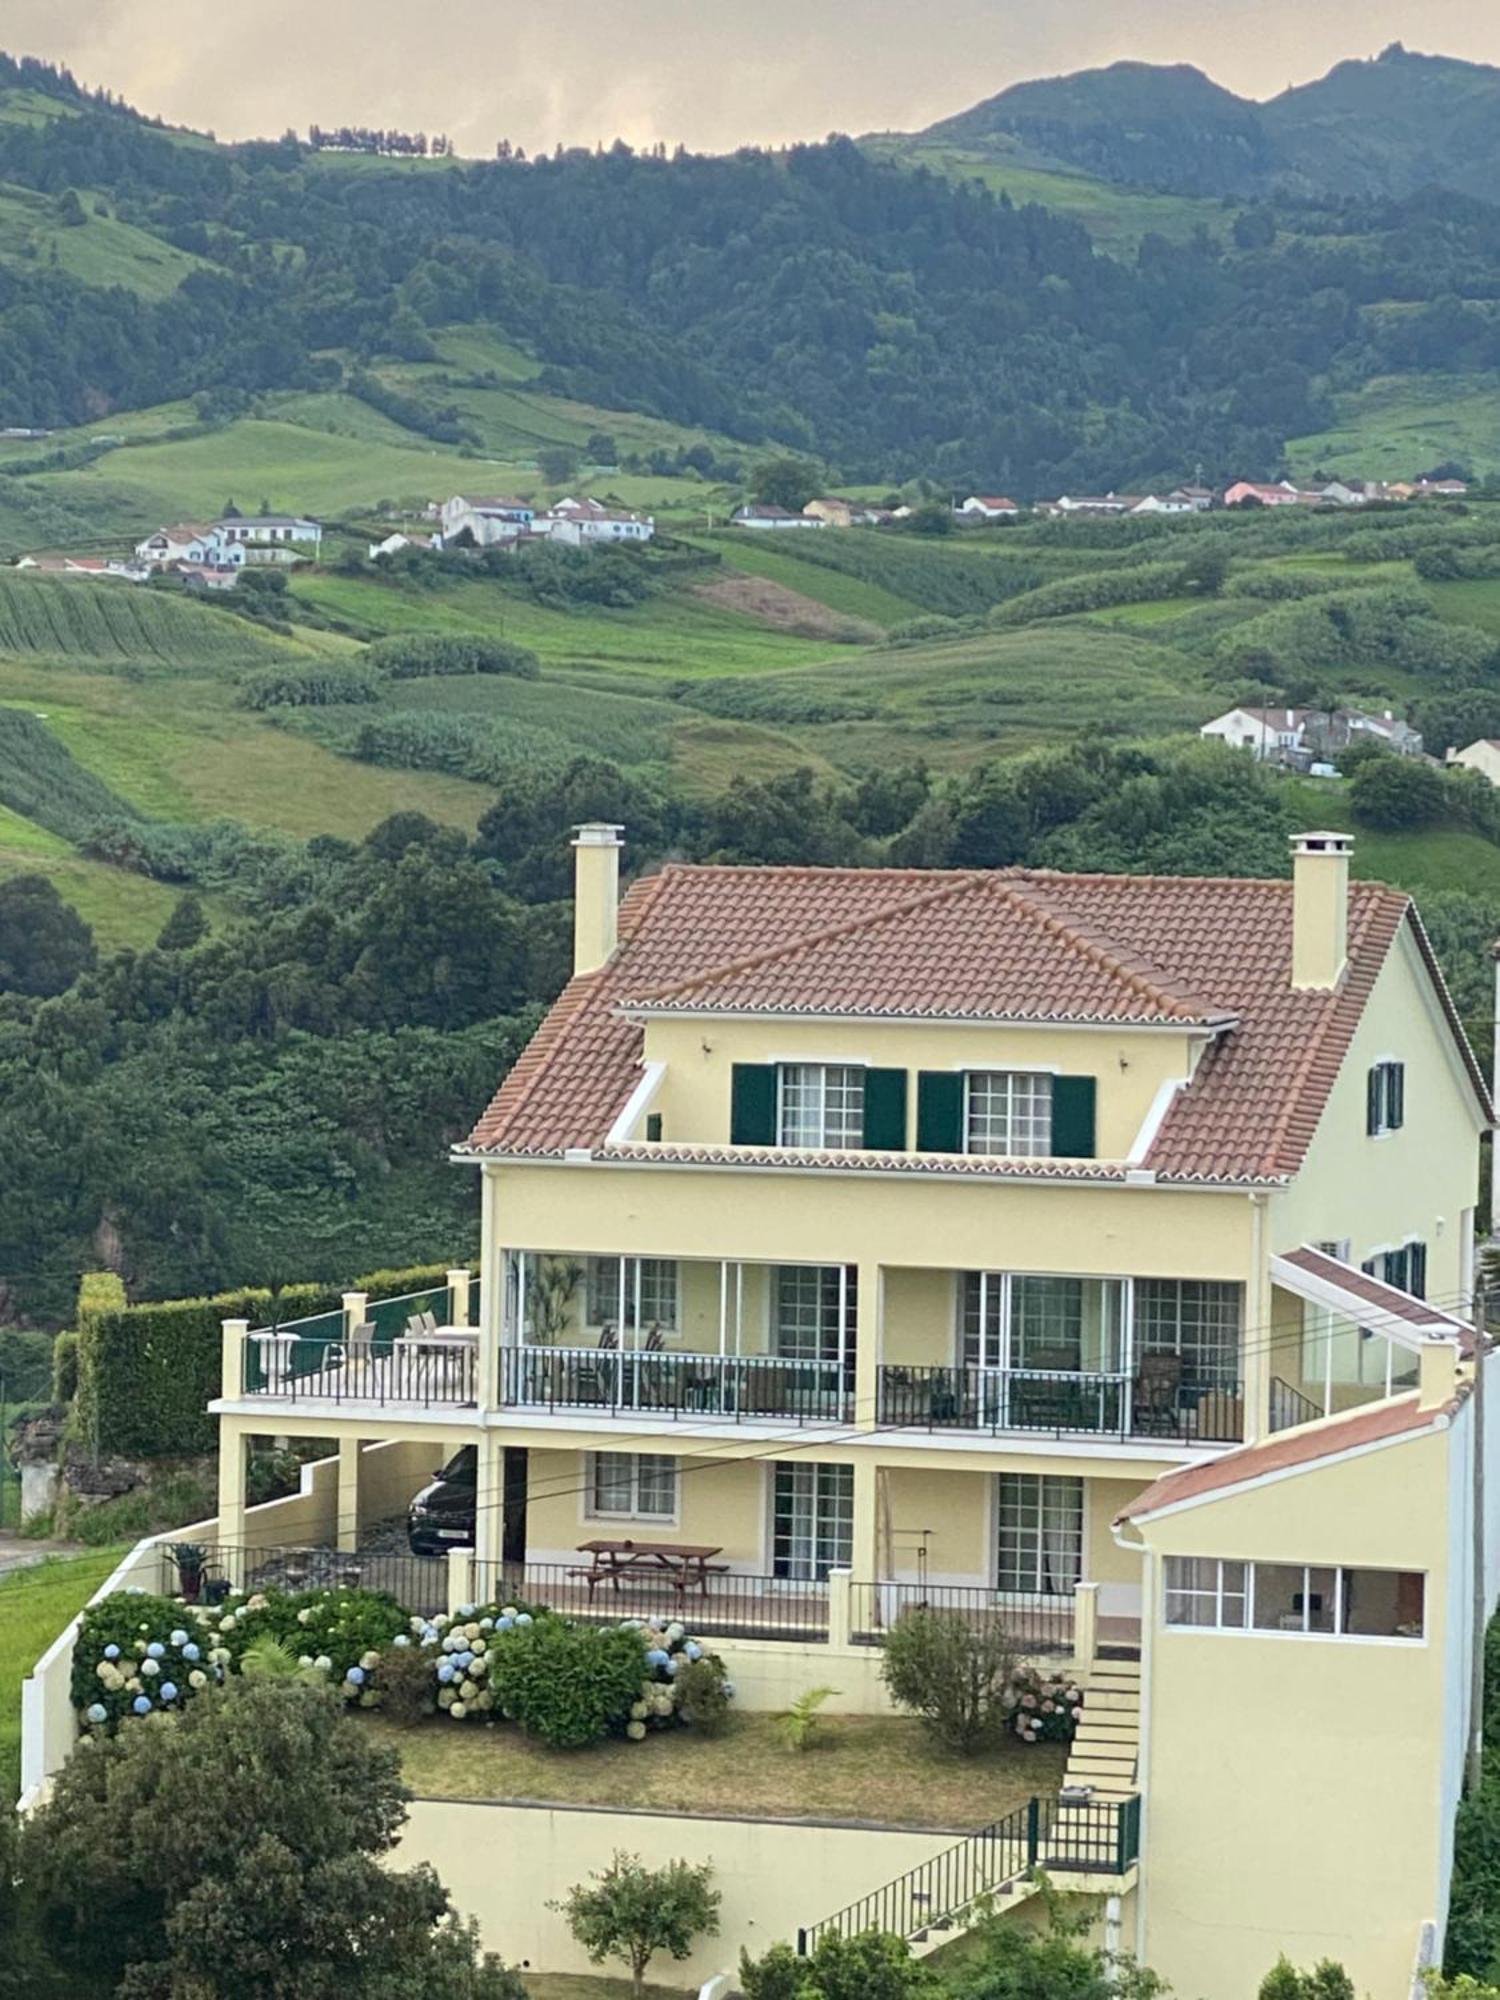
column 101, row 250
column 35, row 1605
column 1399, row 426
column 82, row 618
column 872, row 1768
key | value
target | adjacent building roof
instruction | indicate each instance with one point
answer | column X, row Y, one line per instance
column 1208, row 956
column 1368, row 1301
column 1310, row 1444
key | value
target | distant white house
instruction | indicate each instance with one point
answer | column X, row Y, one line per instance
column 1483, row 756
column 270, row 528
column 988, row 507
column 189, row 542
column 772, row 519
column 485, row 521
column 589, row 530
column 1300, row 736
column 394, row 543
column 1089, row 503
column 1166, row 503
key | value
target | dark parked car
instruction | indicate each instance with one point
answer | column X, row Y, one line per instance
column 441, row 1517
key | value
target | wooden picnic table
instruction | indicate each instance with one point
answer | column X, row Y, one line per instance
column 683, row 1566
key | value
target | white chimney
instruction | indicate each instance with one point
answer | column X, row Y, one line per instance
column 1320, row 909
column 596, row 894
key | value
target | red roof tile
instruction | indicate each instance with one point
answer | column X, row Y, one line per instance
column 1308, row 1445
column 900, row 943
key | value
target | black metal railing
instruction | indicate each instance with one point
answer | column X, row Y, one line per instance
column 714, row 1605
column 208, row 1572
column 1093, row 1837
column 1289, row 1406
column 743, row 1387
column 437, row 1369
column 1035, row 1623
column 1059, row 1403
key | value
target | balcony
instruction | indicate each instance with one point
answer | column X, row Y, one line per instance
column 614, row 1383
column 1062, row 1403
column 415, row 1351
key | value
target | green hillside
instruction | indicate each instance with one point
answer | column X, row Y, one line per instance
column 78, row 618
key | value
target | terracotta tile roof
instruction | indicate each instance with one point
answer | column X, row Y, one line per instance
column 1307, row 1445
column 961, row 947
column 1176, row 950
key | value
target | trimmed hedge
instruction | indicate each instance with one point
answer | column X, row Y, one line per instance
column 148, row 1372
column 416, row 655
column 330, row 684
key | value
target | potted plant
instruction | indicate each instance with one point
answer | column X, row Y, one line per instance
column 191, row 1559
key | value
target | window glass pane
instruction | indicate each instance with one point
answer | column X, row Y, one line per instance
column 651, row 1279
column 656, row 1486
column 979, row 1353
column 807, row 1312
column 1199, row 1322
column 612, row 1482
column 1040, row 1533
column 1278, row 1597
column 822, row 1105
column 1009, row 1113
column 1384, row 1603
column 1046, row 1323
column 1318, row 1599
column 813, row 1519
column 1192, row 1587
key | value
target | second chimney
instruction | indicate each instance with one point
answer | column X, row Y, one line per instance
column 1320, row 909
column 596, row 894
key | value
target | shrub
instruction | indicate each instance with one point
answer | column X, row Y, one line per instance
column 1044, row 1707
column 632, row 1912
column 329, row 685
column 871, row 1965
column 65, row 1368
column 703, row 1695
column 1091, row 590
column 1326, row 1981
column 405, row 1684
column 953, row 1675
column 568, row 1684
column 417, row 655
column 799, row 1724
column 1396, row 793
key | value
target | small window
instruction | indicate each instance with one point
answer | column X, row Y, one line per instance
column 821, row 1105
column 1405, row 1268
column 1008, row 1112
column 1307, row 1600
column 1385, row 1098
column 650, row 1292
column 1204, row 1591
column 632, row 1486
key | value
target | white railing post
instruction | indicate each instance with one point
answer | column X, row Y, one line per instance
column 840, row 1608
column 1085, row 1627
column 458, row 1297
column 232, row 1363
column 460, row 1580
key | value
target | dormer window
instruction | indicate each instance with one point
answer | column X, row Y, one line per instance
column 1008, row 1112
column 821, row 1105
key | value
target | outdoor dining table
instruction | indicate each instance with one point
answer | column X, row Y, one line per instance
column 448, row 1354
column 682, row 1566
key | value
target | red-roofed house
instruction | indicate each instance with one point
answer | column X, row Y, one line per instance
column 857, row 1239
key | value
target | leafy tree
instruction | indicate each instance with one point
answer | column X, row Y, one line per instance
column 785, row 482
column 601, row 449
column 631, row 1912
column 44, row 945
column 932, row 517
column 557, row 463
column 1206, row 570
column 69, row 209
column 1004, row 1962
column 256, row 1821
column 187, row 926
column 953, row 1675
column 1326, row 1981
column 1397, row 794
column 872, row 1965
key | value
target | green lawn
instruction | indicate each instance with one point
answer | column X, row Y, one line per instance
column 1396, row 427
column 35, row 1605
column 1475, row 601
column 883, row 1770
column 1436, row 858
column 101, row 250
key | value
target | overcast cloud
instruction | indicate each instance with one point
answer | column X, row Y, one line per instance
column 707, row 73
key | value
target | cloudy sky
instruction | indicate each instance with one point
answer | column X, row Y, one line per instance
column 707, row 73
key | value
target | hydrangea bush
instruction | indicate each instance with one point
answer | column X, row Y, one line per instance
column 569, row 1684
column 1045, row 1707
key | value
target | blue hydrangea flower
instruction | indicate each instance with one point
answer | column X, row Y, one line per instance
column 693, row 1650
column 111, row 1652
column 169, row 1691
column 191, row 1652
column 156, row 1650
column 466, row 1659
column 179, row 1637
column 98, row 1712
column 504, row 1623
column 401, row 1639
column 523, row 1617
column 357, row 1675
column 656, row 1657
column 142, row 1704
column 445, row 1672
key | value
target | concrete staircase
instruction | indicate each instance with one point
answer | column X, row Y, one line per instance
column 1104, row 1751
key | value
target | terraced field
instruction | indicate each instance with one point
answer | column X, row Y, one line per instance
column 81, row 618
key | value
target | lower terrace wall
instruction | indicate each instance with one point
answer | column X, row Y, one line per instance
column 502, row 1864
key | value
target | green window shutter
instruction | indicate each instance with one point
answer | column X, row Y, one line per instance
column 1396, row 1106
column 1073, row 1117
column 1372, row 1102
column 1416, row 1269
column 885, row 1110
column 752, row 1105
column 940, row 1111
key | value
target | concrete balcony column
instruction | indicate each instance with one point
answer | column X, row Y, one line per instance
column 347, row 1536
column 356, row 1308
column 865, row 1551
column 840, row 1608
column 489, row 1513
column 458, row 1297
column 868, row 1341
column 233, row 1439
column 1085, row 1627
column 232, row 1364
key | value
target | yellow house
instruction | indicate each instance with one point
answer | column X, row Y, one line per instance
column 860, row 1238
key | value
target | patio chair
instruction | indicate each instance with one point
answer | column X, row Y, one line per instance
column 609, row 1335
column 413, row 1330
column 359, row 1348
column 1158, row 1386
column 429, row 1320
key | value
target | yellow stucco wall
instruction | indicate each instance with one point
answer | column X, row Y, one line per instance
column 1294, row 1784
column 693, row 1098
column 1419, row 1182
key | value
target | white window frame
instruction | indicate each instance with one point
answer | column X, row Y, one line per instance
column 593, row 1511
column 816, row 1075
column 1250, row 1630
column 1388, row 1066
column 1040, row 1142
column 1042, row 1482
